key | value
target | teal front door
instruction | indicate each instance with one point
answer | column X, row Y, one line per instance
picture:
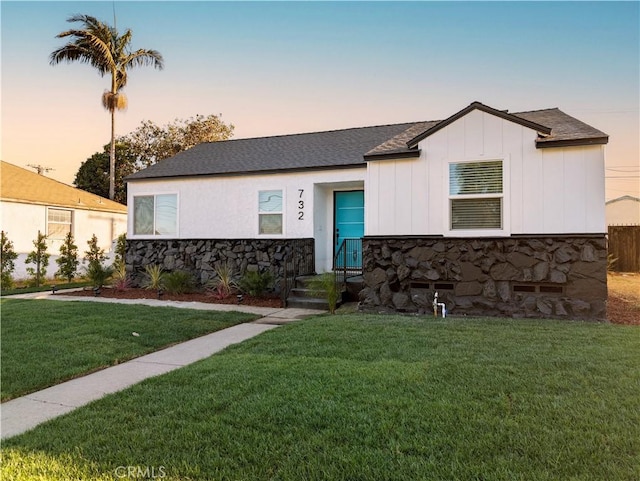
column 349, row 228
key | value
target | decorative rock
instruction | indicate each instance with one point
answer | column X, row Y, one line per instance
column 375, row 278
column 557, row 277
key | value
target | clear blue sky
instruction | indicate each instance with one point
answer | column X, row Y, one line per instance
column 276, row 68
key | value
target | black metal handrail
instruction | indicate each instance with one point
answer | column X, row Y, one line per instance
column 348, row 260
column 296, row 263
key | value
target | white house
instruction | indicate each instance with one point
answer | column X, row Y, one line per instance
column 624, row 210
column 30, row 203
column 501, row 213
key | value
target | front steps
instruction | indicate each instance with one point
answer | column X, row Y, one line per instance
column 301, row 296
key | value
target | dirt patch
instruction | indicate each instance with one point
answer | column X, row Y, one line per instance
column 623, row 305
column 135, row 293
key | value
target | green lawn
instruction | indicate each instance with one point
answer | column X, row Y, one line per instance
column 46, row 342
column 358, row 397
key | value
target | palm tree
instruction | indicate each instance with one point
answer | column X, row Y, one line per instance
column 100, row 46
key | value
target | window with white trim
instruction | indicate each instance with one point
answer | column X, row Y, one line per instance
column 59, row 223
column 270, row 212
column 155, row 215
column 476, row 195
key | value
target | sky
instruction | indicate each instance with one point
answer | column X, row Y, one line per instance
column 273, row 68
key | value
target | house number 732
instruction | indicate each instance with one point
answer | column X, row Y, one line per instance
column 300, row 205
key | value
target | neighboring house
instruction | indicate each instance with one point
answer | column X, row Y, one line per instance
column 500, row 213
column 624, row 210
column 31, row 203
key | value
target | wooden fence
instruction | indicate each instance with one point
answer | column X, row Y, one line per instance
column 624, row 246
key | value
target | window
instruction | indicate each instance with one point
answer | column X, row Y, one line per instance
column 155, row 215
column 270, row 212
column 58, row 223
column 475, row 195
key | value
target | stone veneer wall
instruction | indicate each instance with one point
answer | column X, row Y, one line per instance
column 538, row 276
column 200, row 256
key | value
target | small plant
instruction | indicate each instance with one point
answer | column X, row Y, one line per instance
column 154, row 276
column 7, row 256
column 222, row 286
column 95, row 255
column 325, row 285
column 178, row 282
column 255, row 283
column 68, row 261
column 99, row 274
column 40, row 258
column 121, row 249
column 121, row 280
column 611, row 263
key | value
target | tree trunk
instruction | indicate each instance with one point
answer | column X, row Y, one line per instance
column 112, row 157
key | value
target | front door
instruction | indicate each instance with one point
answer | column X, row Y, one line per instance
column 349, row 224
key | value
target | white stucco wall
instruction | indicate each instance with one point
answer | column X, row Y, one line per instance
column 226, row 207
column 21, row 223
column 546, row 191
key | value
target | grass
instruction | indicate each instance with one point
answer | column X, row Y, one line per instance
column 47, row 285
column 357, row 397
column 46, row 342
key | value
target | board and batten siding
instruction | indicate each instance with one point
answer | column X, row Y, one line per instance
column 547, row 191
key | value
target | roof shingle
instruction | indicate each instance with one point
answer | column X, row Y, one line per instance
column 20, row 185
column 350, row 147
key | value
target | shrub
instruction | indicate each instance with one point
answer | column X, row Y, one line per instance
column 121, row 280
column 95, row 255
column 222, row 286
column 40, row 258
column 153, row 277
column 121, row 249
column 178, row 282
column 325, row 285
column 7, row 256
column 255, row 283
column 99, row 274
column 68, row 261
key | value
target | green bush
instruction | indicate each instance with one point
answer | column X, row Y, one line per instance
column 68, row 261
column 178, row 282
column 153, row 277
column 7, row 266
column 224, row 283
column 99, row 274
column 40, row 257
column 255, row 283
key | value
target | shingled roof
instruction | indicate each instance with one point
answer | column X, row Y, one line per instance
column 350, row 148
column 24, row 186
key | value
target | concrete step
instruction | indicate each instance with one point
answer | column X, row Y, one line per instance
column 304, row 292
column 307, row 303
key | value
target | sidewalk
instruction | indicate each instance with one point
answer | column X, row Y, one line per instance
column 24, row 413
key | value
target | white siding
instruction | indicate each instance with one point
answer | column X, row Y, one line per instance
column 547, row 191
column 21, row 223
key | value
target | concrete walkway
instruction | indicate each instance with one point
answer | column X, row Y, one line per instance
column 24, row 413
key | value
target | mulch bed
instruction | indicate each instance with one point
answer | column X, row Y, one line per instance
column 136, row 293
column 619, row 311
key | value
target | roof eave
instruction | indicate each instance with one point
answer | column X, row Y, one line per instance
column 547, row 144
column 360, row 165
column 484, row 108
column 409, row 154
